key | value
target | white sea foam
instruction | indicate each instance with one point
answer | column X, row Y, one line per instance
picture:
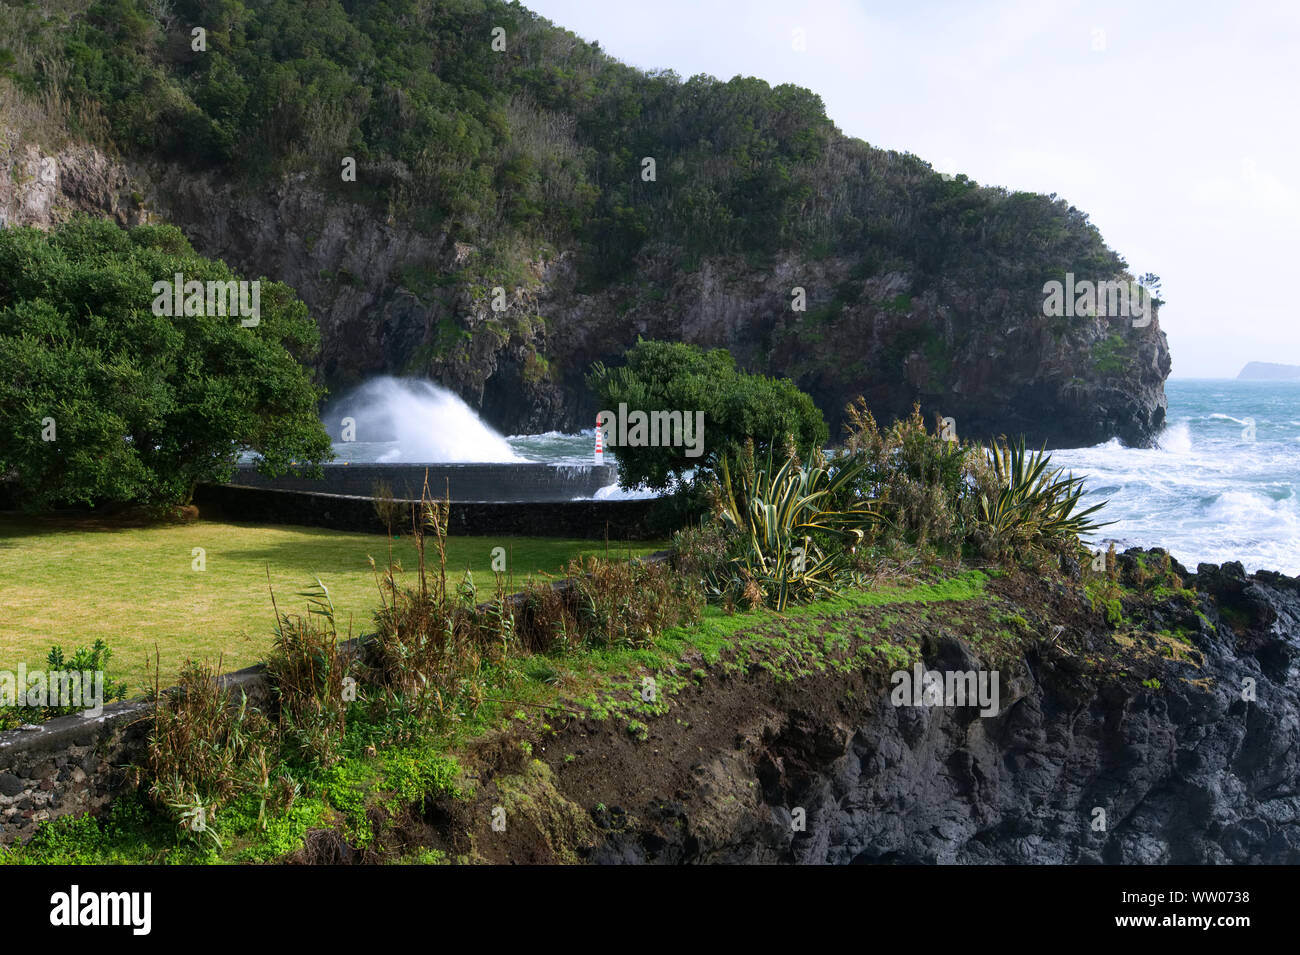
column 614, row 492
column 1176, row 439
column 1205, row 492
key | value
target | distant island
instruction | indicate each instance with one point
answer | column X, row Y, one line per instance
column 1269, row 371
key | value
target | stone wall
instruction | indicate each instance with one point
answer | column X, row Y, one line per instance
column 74, row 764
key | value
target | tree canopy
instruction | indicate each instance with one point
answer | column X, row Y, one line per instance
column 539, row 138
column 737, row 407
column 103, row 401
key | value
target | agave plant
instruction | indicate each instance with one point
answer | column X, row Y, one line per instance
column 1033, row 504
column 781, row 514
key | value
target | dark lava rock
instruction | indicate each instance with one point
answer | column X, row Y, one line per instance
column 1196, row 770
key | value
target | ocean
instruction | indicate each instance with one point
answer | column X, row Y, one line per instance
column 1221, row 485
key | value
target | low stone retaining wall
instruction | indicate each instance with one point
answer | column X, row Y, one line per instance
column 74, row 764
column 584, row 520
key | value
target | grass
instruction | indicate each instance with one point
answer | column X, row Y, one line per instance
column 528, row 692
column 137, row 588
column 818, row 636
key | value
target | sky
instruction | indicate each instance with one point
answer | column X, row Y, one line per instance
column 1172, row 124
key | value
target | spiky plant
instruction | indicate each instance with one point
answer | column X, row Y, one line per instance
column 1031, row 504
column 793, row 543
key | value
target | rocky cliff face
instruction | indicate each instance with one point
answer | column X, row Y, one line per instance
column 987, row 358
column 41, row 188
column 390, row 299
column 1104, row 751
column 1186, row 774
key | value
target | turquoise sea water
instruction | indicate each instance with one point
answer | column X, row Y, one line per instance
column 1214, row 489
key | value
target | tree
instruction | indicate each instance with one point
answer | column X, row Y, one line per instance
column 103, row 401
column 1151, row 282
column 736, row 406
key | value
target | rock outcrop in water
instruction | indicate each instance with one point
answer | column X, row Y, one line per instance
column 1105, row 750
column 1268, row 371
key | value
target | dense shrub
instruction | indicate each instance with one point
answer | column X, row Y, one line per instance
column 737, row 407
column 431, row 638
column 308, row 674
column 206, row 749
column 783, row 531
column 919, row 481
column 999, row 500
column 607, row 603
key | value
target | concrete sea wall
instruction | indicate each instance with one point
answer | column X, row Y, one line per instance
column 592, row 520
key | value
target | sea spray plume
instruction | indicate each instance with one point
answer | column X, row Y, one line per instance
column 428, row 422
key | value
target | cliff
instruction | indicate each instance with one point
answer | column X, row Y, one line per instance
column 1145, row 716
column 918, row 287
column 987, row 357
column 1113, row 744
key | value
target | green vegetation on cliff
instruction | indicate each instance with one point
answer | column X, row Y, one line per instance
column 544, row 139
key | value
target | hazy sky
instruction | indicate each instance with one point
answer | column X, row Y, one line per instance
column 1174, row 125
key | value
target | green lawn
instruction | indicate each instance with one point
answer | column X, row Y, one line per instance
column 137, row 588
